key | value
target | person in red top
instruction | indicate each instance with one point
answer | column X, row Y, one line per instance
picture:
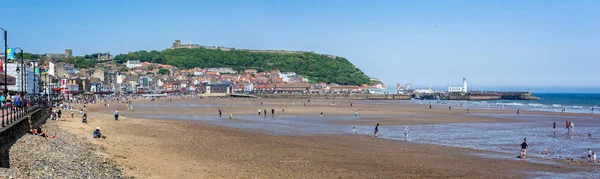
column 567, row 125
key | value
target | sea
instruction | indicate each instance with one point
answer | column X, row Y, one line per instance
column 553, row 102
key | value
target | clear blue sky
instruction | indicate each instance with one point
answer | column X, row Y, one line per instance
column 504, row 43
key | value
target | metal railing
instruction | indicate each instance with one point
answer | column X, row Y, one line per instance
column 12, row 114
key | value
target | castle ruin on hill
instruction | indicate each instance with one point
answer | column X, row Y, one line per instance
column 177, row 44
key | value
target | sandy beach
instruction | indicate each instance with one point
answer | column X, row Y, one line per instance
column 165, row 148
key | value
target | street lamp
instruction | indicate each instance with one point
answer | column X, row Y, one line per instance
column 5, row 60
column 24, row 71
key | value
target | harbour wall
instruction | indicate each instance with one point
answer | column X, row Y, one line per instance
column 10, row 133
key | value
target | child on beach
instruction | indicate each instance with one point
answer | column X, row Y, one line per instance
column 84, row 118
column 524, row 149
column 572, row 126
column 376, row 130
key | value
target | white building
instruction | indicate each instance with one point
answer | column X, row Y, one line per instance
column 462, row 89
column 28, row 78
column 133, row 63
column 120, row 78
column 221, row 70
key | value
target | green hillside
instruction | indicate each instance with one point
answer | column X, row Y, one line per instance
column 317, row 67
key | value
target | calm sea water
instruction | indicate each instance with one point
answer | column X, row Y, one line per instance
column 555, row 102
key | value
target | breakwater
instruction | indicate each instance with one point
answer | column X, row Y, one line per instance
column 478, row 96
column 15, row 124
column 339, row 96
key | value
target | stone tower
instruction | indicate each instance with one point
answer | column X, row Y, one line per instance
column 68, row 53
column 177, row 43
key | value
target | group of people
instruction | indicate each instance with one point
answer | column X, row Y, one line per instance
column 569, row 126
column 376, row 131
column 264, row 111
column 39, row 131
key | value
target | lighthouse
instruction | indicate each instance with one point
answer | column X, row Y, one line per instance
column 464, row 86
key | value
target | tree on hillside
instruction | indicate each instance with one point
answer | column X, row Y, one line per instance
column 164, row 72
column 316, row 67
column 123, row 69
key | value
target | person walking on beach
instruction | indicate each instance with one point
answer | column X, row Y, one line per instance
column 567, row 125
column 376, row 130
column 524, row 149
column 321, row 114
column 355, row 114
column 72, row 114
column 259, row 112
column 353, row 129
column 59, row 113
column 430, row 106
column 554, row 128
column 572, row 126
column 116, row 115
column 265, row 112
column 272, row 111
column 590, row 154
column 406, row 132
column 468, row 111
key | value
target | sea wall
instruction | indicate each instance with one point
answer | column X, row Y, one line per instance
column 13, row 131
column 339, row 96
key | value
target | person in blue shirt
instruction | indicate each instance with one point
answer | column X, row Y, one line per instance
column 17, row 100
column 97, row 133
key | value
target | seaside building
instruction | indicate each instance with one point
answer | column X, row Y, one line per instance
column 133, row 63
column 292, row 88
column 462, row 89
column 218, row 88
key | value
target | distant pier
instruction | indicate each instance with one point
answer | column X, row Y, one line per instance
column 479, row 95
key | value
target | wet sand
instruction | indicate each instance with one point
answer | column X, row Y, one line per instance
column 154, row 148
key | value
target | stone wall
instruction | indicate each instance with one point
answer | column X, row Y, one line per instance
column 11, row 133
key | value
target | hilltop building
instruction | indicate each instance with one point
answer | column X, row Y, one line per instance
column 177, row 44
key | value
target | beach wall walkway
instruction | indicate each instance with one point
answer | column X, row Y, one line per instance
column 339, row 96
column 15, row 124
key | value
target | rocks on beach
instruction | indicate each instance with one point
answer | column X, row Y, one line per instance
column 66, row 156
